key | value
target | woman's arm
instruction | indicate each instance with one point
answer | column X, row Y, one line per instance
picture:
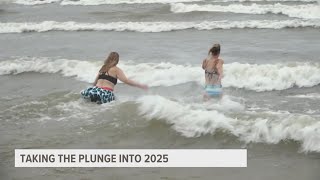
column 204, row 64
column 220, row 69
column 96, row 80
column 122, row 77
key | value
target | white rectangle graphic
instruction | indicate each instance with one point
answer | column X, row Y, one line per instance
column 130, row 158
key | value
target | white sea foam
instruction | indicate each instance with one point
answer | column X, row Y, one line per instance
column 59, row 110
column 5, row 1
column 12, row 27
column 264, row 77
column 105, row 2
column 271, row 76
column 101, row 2
column 306, row 11
column 45, row 65
column 265, row 1
column 97, row 2
column 268, row 127
column 35, row 2
column 227, row 104
column 307, row 96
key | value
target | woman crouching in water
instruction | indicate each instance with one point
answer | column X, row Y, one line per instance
column 213, row 67
column 109, row 73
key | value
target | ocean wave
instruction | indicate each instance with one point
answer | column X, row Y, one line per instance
column 62, row 107
column 101, row 2
column 98, row 2
column 35, row 2
column 5, row 1
column 265, row 127
column 263, row 77
column 105, row 2
column 303, row 1
column 314, row 96
column 306, row 11
column 45, row 26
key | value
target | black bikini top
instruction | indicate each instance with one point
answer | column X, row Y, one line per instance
column 108, row 77
column 213, row 72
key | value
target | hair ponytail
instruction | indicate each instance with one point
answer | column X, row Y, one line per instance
column 111, row 61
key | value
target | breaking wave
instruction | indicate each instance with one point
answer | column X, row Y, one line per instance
column 263, row 77
column 45, row 26
column 306, row 11
column 266, row 127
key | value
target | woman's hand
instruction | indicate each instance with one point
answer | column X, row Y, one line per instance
column 122, row 77
column 144, row 87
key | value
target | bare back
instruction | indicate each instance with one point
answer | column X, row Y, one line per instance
column 105, row 83
column 213, row 70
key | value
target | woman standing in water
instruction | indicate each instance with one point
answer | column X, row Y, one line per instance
column 109, row 73
column 213, row 67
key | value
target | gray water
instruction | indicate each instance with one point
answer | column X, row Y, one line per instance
column 42, row 74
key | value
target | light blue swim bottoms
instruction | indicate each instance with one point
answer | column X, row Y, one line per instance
column 213, row 90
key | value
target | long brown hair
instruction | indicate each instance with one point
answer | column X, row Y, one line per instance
column 215, row 50
column 111, row 61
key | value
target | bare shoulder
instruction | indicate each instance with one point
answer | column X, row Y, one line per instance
column 116, row 68
column 221, row 61
column 113, row 70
